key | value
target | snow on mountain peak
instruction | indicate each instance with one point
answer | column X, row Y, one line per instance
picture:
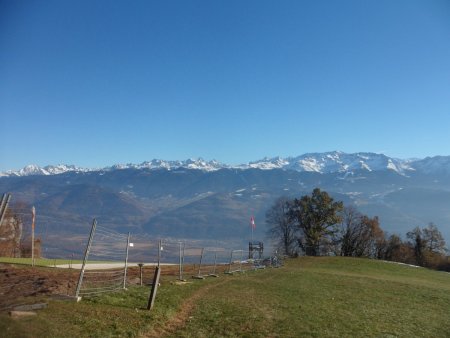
column 324, row 163
column 191, row 163
column 33, row 169
column 336, row 161
column 269, row 163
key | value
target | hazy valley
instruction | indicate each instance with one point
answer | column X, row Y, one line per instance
column 199, row 200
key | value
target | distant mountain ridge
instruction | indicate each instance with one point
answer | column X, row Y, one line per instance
column 324, row 163
column 201, row 199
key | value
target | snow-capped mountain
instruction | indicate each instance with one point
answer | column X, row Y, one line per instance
column 199, row 164
column 325, row 163
column 33, row 169
column 335, row 162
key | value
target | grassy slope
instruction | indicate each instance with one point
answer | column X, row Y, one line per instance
column 311, row 297
column 328, row 297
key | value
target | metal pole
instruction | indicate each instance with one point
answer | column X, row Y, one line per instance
column 231, row 259
column 2, row 204
column 33, row 213
column 215, row 262
column 126, row 263
column 180, row 262
column 4, row 208
column 240, row 261
column 200, row 265
column 159, row 253
column 86, row 254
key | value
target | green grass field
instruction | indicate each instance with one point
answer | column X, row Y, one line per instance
column 308, row 297
column 38, row 261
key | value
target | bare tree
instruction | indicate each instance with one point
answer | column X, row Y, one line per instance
column 349, row 231
column 435, row 243
column 281, row 228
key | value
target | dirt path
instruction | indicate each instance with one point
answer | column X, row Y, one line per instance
column 178, row 321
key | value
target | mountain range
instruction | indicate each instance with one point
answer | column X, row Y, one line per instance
column 325, row 163
column 206, row 199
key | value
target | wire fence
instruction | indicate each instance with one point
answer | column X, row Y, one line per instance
column 106, row 248
column 115, row 259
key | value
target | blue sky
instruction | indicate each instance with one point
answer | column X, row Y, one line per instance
column 94, row 83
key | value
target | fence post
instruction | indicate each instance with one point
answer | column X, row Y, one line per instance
column 141, row 265
column 126, row 263
column 231, row 260
column 200, row 264
column 215, row 264
column 2, row 203
column 86, row 254
column 4, row 206
column 151, row 299
column 180, row 262
column 240, row 261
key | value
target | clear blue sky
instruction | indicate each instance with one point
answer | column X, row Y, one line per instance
column 94, row 83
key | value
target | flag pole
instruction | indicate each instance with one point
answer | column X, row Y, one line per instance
column 33, row 213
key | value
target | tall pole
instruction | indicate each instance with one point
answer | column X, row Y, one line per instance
column 181, row 277
column 86, row 254
column 33, row 213
column 126, row 263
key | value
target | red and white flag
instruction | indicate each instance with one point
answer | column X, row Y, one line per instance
column 252, row 222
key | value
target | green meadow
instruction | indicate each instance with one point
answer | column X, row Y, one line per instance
column 308, row 297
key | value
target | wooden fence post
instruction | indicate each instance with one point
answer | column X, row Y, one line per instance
column 151, row 299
